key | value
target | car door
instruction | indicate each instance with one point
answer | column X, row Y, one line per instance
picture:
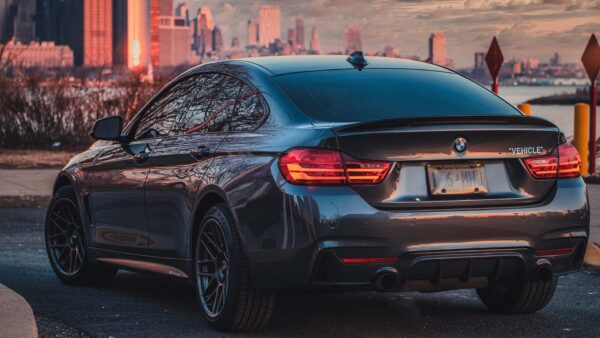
column 179, row 163
column 120, row 172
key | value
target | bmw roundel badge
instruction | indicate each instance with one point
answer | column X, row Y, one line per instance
column 460, row 145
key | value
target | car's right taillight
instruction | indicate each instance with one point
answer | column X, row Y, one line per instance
column 564, row 162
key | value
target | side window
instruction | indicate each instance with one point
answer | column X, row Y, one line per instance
column 160, row 115
column 212, row 102
column 249, row 111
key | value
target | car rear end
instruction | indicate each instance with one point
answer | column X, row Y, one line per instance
column 435, row 184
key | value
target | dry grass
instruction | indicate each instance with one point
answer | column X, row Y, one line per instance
column 34, row 159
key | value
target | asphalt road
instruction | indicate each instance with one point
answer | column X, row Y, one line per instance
column 145, row 306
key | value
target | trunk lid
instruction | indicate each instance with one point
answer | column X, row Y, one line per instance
column 424, row 153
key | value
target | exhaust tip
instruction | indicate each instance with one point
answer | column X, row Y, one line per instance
column 544, row 271
column 386, row 279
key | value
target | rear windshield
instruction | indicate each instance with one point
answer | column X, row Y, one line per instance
column 375, row 94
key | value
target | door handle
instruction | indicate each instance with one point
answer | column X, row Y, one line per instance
column 200, row 152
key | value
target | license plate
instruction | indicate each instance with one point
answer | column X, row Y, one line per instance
column 457, row 179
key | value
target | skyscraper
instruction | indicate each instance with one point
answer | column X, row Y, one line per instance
column 252, row 33
column 217, row 39
column 269, row 24
column 182, row 11
column 209, row 19
column 24, row 21
column 97, row 33
column 300, row 32
column 479, row 59
column 315, row 46
column 174, row 36
column 437, row 48
column 61, row 22
column 119, row 32
column 6, row 20
column 205, row 35
column 292, row 36
column 138, row 33
column 235, row 43
column 352, row 39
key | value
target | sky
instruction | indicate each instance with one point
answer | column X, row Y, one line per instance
column 524, row 28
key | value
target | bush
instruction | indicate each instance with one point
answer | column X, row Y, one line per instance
column 36, row 112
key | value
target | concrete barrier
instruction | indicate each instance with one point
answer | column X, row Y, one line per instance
column 16, row 316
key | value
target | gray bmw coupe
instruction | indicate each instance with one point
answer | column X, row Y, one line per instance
column 250, row 176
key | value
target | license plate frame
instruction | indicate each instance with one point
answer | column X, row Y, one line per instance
column 457, row 179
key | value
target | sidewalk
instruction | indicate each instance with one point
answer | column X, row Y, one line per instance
column 26, row 188
column 16, row 316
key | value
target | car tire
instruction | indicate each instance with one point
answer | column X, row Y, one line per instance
column 518, row 297
column 243, row 307
column 76, row 269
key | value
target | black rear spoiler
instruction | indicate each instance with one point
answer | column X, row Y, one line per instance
column 520, row 120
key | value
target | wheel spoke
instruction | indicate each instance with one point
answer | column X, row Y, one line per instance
column 205, row 274
column 217, row 299
column 210, row 253
column 212, row 243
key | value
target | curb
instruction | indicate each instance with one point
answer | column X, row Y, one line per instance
column 25, row 201
column 591, row 262
column 16, row 316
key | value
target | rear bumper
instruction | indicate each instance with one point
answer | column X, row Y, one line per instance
column 434, row 249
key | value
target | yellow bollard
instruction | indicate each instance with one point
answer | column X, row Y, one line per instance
column 581, row 134
column 525, row 108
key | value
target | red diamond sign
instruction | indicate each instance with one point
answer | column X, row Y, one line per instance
column 494, row 58
column 591, row 58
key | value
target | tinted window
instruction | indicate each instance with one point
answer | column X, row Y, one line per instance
column 160, row 115
column 374, row 94
column 212, row 101
column 249, row 111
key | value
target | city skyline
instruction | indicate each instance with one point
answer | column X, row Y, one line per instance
column 524, row 28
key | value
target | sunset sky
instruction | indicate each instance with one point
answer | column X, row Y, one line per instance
column 525, row 28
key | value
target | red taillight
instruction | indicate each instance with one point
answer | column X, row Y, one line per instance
column 569, row 161
column 554, row 252
column 563, row 163
column 311, row 166
column 367, row 260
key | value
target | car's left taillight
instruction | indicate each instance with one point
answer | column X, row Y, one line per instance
column 563, row 162
column 311, row 166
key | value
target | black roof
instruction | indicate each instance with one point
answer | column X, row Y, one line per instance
column 278, row 65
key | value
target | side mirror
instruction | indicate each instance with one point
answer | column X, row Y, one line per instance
column 108, row 128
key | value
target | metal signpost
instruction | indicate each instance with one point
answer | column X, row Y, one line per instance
column 591, row 63
column 494, row 59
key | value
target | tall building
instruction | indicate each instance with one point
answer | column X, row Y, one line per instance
column 300, row 32
column 437, row 48
column 119, row 32
column 158, row 8
column 292, row 38
column 315, row 46
column 97, row 33
column 352, row 39
column 174, row 36
column 182, row 11
column 556, row 60
column 205, row 35
column 6, row 20
column 269, row 24
column 235, row 43
column 209, row 19
column 24, row 31
column 61, row 21
column 217, row 39
column 138, row 33
column 252, row 33
column 479, row 59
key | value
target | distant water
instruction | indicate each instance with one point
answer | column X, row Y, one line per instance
column 561, row 115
